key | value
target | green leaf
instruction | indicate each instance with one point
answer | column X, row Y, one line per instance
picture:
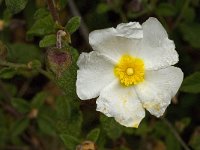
column 7, row 73
column 191, row 84
column 38, row 100
column 189, row 14
column 111, row 127
column 93, row 135
column 35, row 64
column 63, row 108
column 75, row 123
column 42, row 27
column 41, row 13
column 70, row 126
column 9, row 87
column 172, row 142
column 48, row 40
column 23, row 53
column 7, row 15
column 21, row 105
column 182, row 124
column 191, row 33
column 62, row 3
column 73, row 24
column 69, row 141
column 103, row 8
column 15, row 6
column 166, row 9
column 19, row 126
column 46, row 125
column 143, row 129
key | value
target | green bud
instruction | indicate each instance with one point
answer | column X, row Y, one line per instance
column 34, row 64
column 58, row 60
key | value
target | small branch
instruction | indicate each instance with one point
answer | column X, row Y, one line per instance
column 53, row 10
column 177, row 136
column 24, row 66
column 187, row 2
column 46, row 74
column 83, row 28
column 13, row 65
column 9, row 109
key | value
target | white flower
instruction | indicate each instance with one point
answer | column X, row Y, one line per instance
column 130, row 70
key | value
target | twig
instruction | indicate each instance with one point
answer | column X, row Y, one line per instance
column 177, row 136
column 53, row 11
column 13, row 65
column 46, row 74
column 9, row 109
column 187, row 2
column 83, row 28
column 24, row 66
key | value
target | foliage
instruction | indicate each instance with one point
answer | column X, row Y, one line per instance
column 39, row 108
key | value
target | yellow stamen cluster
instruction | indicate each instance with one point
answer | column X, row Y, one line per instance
column 129, row 70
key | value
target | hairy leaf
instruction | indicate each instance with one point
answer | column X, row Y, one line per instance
column 48, row 40
column 93, row 135
column 15, row 6
column 42, row 27
column 191, row 84
column 73, row 24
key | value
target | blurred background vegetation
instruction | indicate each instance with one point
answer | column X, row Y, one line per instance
column 39, row 108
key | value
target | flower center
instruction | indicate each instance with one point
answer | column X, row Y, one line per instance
column 129, row 70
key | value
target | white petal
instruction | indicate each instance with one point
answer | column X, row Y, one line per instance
column 159, row 88
column 121, row 103
column 156, row 49
column 95, row 72
column 130, row 30
column 116, row 42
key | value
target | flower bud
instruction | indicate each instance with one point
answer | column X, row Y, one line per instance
column 34, row 64
column 58, row 60
column 33, row 113
column 87, row 145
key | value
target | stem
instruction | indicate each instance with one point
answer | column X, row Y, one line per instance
column 83, row 28
column 13, row 65
column 187, row 2
column 177, row 136
column 46, row 74
column 139, row 14
column 53, row 10
column 123, row 16
column 24, row 66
